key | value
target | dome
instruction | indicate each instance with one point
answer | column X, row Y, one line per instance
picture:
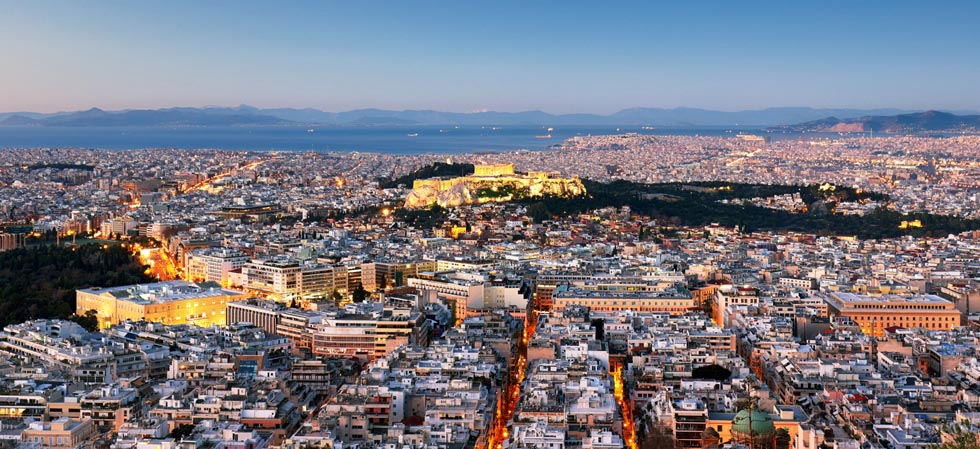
column 762, row 425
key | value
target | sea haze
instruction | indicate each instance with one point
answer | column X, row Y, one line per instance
column 381, row 139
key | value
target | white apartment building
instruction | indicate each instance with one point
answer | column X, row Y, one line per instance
column 213, row 264
column 284, row 278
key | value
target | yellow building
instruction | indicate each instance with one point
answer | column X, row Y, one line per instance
column 62, row 433
column 171, row 302
column 670, row 300
column 876, row 313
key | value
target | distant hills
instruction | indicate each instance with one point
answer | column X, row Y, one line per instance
column 19, row 120
column 917, row 122
column 248, row 115
column 158, row 117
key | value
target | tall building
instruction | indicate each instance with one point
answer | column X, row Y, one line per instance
column 690, row 422
column 265, row 315
column 213, row 264
column 369, row 333
column 170, row 302
column 965, row 296
column 457, row 294
column 295, row 324
column 369, row 336
column 286, row 278
column 729, row 295
column 393, row 274
column 119, row 226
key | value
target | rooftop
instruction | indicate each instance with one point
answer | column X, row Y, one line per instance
column 853, row 298
column 163, row 292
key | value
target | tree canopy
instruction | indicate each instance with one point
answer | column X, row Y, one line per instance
column 958, row 437
column 359, row 294
column 699, row 204
column 40, row 281
column 714, row 372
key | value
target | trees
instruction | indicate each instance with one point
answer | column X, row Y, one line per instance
column 538, row 212
column 40, row 281
column 657, row 437
column 782, row 439
column 699, row 203
column 89, row 320
column 600, row 329
column 708, row 306
column 182, row 431
column 957, row 437
column 715, row 372
column 434, row 216
column 359, row 294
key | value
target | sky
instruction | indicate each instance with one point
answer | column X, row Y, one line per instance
column 560, row 57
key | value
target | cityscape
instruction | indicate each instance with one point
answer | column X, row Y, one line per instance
column 738, row 276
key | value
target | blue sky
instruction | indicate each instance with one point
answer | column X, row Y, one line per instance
column 507, row 56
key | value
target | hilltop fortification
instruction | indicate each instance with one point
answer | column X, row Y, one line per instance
column 490, row 183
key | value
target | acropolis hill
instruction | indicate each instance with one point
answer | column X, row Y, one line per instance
column 490, row 183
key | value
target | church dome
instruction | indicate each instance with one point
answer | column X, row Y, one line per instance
column 760, row 422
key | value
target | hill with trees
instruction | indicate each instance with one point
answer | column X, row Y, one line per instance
column 698, row 204
column 40, row 281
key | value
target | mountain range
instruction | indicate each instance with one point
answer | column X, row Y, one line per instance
column 918, row 122
column 248, row 115
column 141, row 117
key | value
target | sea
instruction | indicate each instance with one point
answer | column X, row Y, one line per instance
column 448, row 139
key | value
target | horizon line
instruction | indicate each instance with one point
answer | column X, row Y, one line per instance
column 487, row 110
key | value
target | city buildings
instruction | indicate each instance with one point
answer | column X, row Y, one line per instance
column 484, row 326
column 366, row 331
